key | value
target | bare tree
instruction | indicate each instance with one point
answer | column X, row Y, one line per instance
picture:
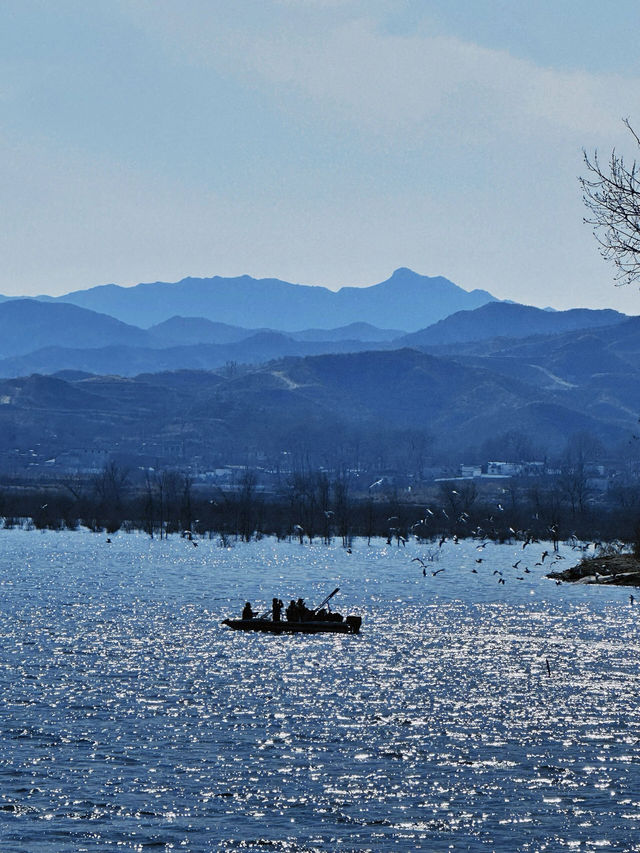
column 341, row 506
column 246, row 522
column 612, row 195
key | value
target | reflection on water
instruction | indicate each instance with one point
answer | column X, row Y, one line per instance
column 131, row 719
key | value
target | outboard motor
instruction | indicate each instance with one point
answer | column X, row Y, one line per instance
column 354, row 623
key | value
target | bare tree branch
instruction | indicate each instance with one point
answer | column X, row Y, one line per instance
column 612, row 196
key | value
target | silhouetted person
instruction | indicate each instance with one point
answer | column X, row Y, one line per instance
column 276, row 609
column 247, row 612
column 292, row 612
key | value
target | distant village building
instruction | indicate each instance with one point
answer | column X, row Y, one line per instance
column 502, row 470
column 470, row 471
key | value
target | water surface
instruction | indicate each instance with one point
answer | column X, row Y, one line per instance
column 132, row 720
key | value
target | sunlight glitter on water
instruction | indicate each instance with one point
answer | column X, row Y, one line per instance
column 130, row 717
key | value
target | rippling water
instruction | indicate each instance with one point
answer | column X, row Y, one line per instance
column 131, row 719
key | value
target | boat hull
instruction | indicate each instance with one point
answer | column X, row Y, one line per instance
column 351, row 625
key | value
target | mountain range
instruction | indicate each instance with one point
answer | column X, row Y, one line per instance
column 45, row 337
column 222, row 391
column 384, row 409
column 406, row 300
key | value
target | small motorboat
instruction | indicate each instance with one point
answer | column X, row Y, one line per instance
column 314, row 621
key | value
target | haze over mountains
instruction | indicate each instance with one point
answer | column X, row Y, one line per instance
column 407, row 301
column 47, row 335
column 454, row 383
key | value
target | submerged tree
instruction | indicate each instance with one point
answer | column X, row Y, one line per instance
column 612, row 195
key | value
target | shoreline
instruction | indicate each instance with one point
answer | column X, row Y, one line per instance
column 615, row 570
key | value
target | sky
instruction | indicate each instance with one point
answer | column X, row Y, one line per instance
column 323, row 142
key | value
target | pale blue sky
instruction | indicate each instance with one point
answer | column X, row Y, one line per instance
column 319, row 141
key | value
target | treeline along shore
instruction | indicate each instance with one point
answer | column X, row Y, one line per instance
column 308, row 507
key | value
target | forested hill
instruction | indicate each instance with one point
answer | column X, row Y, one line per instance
column 333, row 408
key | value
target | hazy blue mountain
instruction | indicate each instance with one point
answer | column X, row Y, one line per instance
column 198, row 330
column 47, row 337
column 185, row 331
column 27, row 324
column 508, row 320
column 404, row 301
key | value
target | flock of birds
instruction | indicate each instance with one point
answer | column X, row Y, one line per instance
column 552, row 558
column 524, row 536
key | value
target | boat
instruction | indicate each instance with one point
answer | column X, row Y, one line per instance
column 313, row 623
column 351, row 625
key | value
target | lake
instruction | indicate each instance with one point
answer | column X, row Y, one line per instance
column 131, row 719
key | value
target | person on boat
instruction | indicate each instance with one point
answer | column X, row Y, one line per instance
column 276, row 609
column 304, row 614
column 247, row 612
column 292, row 611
